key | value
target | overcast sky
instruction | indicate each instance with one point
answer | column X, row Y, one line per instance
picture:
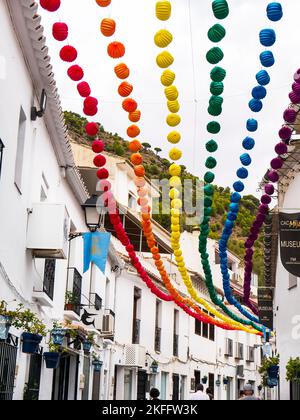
column 136, row 26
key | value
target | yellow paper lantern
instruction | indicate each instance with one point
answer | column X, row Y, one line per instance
column 171, row 93
column 175, row 170
column 175, row 212
column 175, row 220
column 175, row 228
column 164, row 59
column 174, row 137
column 174, row 235
column 173, row 106
column 176, row 204
column 175, row 154
column 163, row 10
column 163, row 38
column 174, row 194
column 168, row 78
column 173, row 120
column 175, row 182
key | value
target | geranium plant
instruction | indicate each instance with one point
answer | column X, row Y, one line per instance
column 293, row 370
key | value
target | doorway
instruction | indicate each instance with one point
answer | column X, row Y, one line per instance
column 142, row 385
column 32, row 387
column 176, row 380
column 65, row 379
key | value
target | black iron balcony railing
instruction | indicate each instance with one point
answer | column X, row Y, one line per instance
column 157, row 343
column 136, row 331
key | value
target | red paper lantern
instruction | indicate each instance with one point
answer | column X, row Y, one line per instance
column 68, row 53
column 125, row 89
column 90, row 112
column 116, row 50
column 99, row 161
column 103, row 3
column 129, row 105
column 98, row 146
column 90, row 102
column 60, row 31
column 91, row 129
column 50, row 5
column 103, row 174
column 75, row 73
column 84, row 89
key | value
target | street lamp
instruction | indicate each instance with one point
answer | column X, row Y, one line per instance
column 93, row 213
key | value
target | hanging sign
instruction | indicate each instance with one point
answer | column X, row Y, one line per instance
column 265, row 306
column 289, row 228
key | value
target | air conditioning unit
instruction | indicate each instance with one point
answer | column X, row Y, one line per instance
column 250, row 354
column 228, row 347
column 108, row 325
column 239, row 351
column 135, row 355
column 48, row 231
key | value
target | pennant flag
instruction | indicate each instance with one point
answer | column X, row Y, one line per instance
column 96, row 245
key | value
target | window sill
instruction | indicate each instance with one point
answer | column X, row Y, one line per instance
column 43, row 299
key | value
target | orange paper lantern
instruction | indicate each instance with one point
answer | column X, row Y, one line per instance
column 125, row 89
column 103, row 3
column 140, row 182
column 136, row 159
column 108, row 27
column 135, row 146
column 133, row 131
column 116, row 50
column 139, row 171
column 129, row 105
column 135, row 116
column 122, row 71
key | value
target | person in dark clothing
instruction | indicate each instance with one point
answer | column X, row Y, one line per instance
column 154, row 394
column 210, row 393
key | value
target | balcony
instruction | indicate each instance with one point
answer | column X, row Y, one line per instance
column 157, row 344
column 176, row 345
column 45, row 296
column 136, row 331
column 73, row 301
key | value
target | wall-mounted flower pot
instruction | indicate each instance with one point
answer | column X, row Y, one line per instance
column 154, row 368
column 97, row 365
column 69, row 307
column 58, row 335
column 204, row 380
column 31, row 343
column 225, row 381
column 52, row 360
column 87, row 345
column 273, row 372
column 5, row 323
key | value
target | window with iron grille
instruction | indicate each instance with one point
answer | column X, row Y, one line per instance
column 198, row 327
column 77, row 287
column 1, row 154
column 8, row 361
column 49, row 277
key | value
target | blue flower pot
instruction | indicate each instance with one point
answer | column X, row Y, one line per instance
column 273, row 372
column 52, row 360
column 31, row 343
column 5, row 323
column 204, row 381
column 97, row 365
column 87, row 346
column 58, row 335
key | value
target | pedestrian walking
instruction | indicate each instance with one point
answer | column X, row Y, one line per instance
column 249, row 394
column 199, row 394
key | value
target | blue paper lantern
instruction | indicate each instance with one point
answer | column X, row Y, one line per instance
column 256, row 105
column 259, row 92
column 242, row 173
column 248, row 143
column 274, row 11
column 263, row 78
column 238, row 187
column 252, row 125
column 246, row 159
column 267, row 58
column 235, row 197
column 234, row 207
column 267, row 37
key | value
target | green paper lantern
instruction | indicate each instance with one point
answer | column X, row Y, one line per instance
column 213, row 127
column 218, row 74
column 211, row 146
column 207, row 212
column 211, row 163
column 216, row 33
column 220, row 9
column 214, row 111
column 216, row 101
column 214, row 55
column 216, row 88
column 209, row 190
column 209, row 177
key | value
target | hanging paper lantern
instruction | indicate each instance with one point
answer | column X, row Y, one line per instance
column 281, row 148
column 277, row 163
column 296, row 87
column 139, row 171
column 211, row 163
column 267, row 37
column 116, row 50
column 50, row 5
column 75, row 73
column 218, row 74
column 216, row 33
column 98, row 146
column 173, row 120
column 174, row 137
column 135, row 116
column 215, row 111
column 163, row 38
column 255, row 105
column 213, row 127
column 163, row 10
column 297, row 76
column 216, row 101
column 164, row 60
column 290, row 115
column 91, row 129
column 214, row 55
column 108, row 27
column 259, row 92
column 171, row 93
column 267, row 58
column 129, row 105
column 133, row 131
column 248, row 143
column 136, row 159
column 274, row 11
column 173, row 106
column 216, row 88
column 242, row 173
column 175, row 154
column 211, row 146
column 135, row 146
column 125, row 89
column 294, row 97
column 90, row 102
column 167, row 78
column 238, row 187
column 103, row 3
column 84, row 89
column 60, row 31
column 246, row 159
column 269, row 189
column 90, row 112
column 175, row 170
column 266, row 199
column 273, row 176
column 252, row 125
column 209, row 177
column 102, row 173
column 68, row 53
column 263, row 78
column 285, row 133
column 122, row 71
column 99, row 161
column 220, row 9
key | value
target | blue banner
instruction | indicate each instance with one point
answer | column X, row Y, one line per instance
column 96, row 246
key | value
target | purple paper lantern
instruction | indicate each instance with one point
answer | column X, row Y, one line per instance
column 297, row 76
column 285, row 133
column 294, row 97
column 273, row 176
column 296, row 87
column 265, row 199
column 281, row 148
column 263, row 209
column 269, row 189
column 290, row 115
column 276, row 163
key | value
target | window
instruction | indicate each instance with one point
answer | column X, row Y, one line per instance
column 157, row 343
column 205, row 328
column 212, row 331
column 132, row 202
column 1, row 154
column 293, row 281
column 250, row 354
column 217, row 257
column 44, row 189
column 20, row 150
column 239, row 354
column 136, row 316
column 49, row 277
column 229, row 347
column 176, row 334
column 198, row 327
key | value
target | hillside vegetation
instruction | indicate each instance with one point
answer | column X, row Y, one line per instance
column 157, row 167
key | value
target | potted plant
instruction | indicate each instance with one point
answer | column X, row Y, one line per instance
column 34, row 330
column 52, row 358
column 97, row 363
column 6, row 320
column 293, row 370
column 270, row 371
column 58, row 334
column 154, row 367
column 70, row 301
column 88, row 343
column 204, row 380
column 225, row 380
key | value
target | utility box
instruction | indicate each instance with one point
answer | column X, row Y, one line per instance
column 48, row 231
